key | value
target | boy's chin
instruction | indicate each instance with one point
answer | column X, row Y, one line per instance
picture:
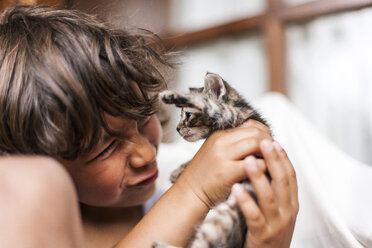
column 137, row 198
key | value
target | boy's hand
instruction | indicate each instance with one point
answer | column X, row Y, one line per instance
column 219, row 162
column 271, row 223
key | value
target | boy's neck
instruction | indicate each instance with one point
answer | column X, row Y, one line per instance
column 105, row 227
column 108, row 214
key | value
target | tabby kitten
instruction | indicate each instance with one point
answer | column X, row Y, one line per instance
column 216, row 106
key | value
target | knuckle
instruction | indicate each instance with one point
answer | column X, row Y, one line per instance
column 293, row 174
column 261, row 164
column 254, row 143
column 287, row 220
column 255, row 131
column 251, row 144
column 296, row 208
column 250, row 122
column 268, row 131
column 270, row 235
column 283, row 181
column 270, row 200
column 255, row 216
column 284, row 154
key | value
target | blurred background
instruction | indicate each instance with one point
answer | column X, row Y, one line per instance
column 318, row 53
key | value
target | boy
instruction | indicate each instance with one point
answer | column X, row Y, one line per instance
column 77, row 91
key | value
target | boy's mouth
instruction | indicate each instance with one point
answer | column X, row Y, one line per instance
column 149, row 180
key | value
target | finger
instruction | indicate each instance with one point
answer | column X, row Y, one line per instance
column 252, row 213
column 245, row 143
column 262, row 187
column 235, row 134
column 261, row 165
column 239, row 169
column 243, row 148
column 276, row 167
column 257, row 124
column 291, row 174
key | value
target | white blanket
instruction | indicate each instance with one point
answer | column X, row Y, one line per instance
column 335, row 191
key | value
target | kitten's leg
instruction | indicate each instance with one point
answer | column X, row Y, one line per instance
column 224, row 226
column 158, row 244
column 181, row 100
column 177, row 172
column 208, row 106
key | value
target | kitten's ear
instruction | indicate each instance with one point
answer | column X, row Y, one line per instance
column 214, row 85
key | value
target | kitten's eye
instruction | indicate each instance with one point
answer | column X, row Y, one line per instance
column 188, row 115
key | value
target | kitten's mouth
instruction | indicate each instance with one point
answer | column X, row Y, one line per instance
column 191, row 137
column 188, row 136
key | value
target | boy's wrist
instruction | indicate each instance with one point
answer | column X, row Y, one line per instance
column 191, row 195
column 179, row 210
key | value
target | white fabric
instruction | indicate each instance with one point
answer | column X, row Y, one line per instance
column 335, row 191
column 330, row 78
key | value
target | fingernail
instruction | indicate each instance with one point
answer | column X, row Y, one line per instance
column 277, row 146
column 267, row 145
column 238, row 189
column 251, row 163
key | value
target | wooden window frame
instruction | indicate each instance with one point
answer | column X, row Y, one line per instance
column 271, row 24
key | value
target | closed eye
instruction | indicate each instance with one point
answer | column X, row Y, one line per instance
column 107, row 149
column 188, row 115
column 104, row 152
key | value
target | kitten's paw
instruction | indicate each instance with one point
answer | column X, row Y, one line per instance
column 180, row 100
column 158, row 244
column 177, row 172
column 167, row 96
column 175, row 175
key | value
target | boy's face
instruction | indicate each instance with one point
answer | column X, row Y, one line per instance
column 120, row 171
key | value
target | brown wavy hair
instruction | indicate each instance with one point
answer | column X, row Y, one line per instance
column 60, row 70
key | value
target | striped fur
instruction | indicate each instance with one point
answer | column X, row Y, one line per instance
column 216, row 106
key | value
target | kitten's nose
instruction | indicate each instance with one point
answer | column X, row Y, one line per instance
column 178, row 129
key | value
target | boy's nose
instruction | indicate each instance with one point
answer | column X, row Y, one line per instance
column 144, row 153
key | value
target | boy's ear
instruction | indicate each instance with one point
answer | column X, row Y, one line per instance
column 214, row 85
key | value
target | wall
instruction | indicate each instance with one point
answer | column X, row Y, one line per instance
column 149, row 14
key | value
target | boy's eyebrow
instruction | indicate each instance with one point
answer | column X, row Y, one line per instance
column 104, row 139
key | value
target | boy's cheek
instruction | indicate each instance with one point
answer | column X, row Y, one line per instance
column 95, row 183
column 100, row 192
column 106, row 196
column 153, row 131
